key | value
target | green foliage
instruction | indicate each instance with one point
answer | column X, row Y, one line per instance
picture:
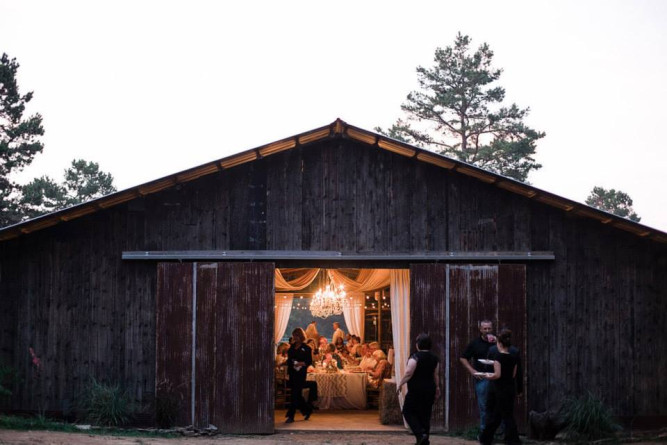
column 43, row 423
column 83, row 181
column 458, row 112
column 613, row 201
column 33, row 423
column 470, row 433
column 42, row 195
column 107, row 405
column 588, row 419
column 8, row 377
column 18, row 138
column 168, row 403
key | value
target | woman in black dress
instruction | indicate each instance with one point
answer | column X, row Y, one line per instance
column 421, row 376
column 298, row 359
column 502, row 390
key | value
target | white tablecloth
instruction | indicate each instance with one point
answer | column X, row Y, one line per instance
column 340, row 390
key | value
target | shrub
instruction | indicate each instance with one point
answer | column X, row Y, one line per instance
column 168, row 404
column 106, row 404
column 8, row 377
column 587, row 418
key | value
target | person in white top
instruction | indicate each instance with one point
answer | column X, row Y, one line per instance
column 338, row 332
column 311, row 331
column 368, row 362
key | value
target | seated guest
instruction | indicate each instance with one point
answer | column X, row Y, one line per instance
column 381, row 371
column 354, row 346
column 350, row 344
column 340, row 344
column 332, row 355
column 281, row 353
column 367, row 361
column 315, row 353
column 323, row 345
column 348, row 359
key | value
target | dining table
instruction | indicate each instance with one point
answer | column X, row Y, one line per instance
column 340, row 390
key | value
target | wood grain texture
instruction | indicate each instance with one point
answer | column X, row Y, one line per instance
column 428, row 313
column 174, row 336
column 595, row 315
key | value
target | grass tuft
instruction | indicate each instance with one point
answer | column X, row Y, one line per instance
column 588, row 419
column 43, row 423
column 106, row 405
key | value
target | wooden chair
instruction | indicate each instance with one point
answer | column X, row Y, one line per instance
column 282, row 389
column 373, row 397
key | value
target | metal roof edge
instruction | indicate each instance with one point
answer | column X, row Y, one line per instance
column 337, row 128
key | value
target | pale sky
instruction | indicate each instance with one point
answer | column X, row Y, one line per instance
column 150, row 88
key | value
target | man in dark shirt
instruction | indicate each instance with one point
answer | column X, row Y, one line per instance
column 479, row 349
column 299, row 357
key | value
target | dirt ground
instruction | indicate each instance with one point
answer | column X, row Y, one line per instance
column 295, row 438
column 282, row 438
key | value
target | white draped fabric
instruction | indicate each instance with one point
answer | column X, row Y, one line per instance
column 354, row 314
column 367, row 280
column 283, row 308
column 302, row 281
column 399, row 295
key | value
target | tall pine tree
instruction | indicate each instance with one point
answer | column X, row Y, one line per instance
column 458, row 112
column 83, row 181
column 19, row 139
column 613, row 201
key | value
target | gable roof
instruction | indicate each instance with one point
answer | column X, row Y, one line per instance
column 337, row 129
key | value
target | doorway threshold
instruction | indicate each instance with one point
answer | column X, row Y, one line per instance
column 362, row 421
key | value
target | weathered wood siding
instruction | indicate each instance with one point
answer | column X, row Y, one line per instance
column 496, row 293
column 233, row 372
column 428, row 313
column 448, row 301
column 173, row 328
column 595, row 314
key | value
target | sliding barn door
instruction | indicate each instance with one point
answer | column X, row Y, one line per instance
column 428, row 313
column 215, row 343
column 448, row 301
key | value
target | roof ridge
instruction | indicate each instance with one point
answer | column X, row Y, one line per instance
column 337, row 129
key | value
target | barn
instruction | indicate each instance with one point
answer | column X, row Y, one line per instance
column 173, row 282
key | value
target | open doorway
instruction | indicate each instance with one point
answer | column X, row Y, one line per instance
column 352, row 371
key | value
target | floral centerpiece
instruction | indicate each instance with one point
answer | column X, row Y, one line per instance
column 329, row 364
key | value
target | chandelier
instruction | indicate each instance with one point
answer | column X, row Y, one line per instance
column 328, row 301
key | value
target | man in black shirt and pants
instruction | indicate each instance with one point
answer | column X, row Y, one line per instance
column 298, row 359
column 479, row 349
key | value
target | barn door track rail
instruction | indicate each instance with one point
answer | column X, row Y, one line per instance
column 325, row 255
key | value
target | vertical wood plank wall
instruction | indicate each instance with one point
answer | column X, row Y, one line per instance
column 173, row 326
column 428, row 313
column 475, row 292
column 66, row 292
column 244, row 355
column 233, row 369
column 462, row 400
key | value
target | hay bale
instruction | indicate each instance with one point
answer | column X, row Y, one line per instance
column 390, row 410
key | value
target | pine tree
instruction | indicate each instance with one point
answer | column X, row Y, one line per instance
column 458, row 112
column 19, row 138
column 613, row 201
column 83, row 181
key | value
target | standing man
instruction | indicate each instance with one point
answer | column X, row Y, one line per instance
column 311, row 331
column 479, row 349
column 338, row 332
column 298, row 359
